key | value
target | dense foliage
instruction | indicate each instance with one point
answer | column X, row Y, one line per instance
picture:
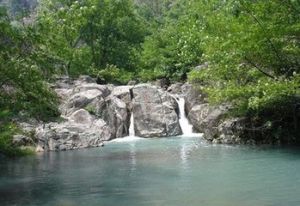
column 249, row 52
column 23, row 91
column 86, row 37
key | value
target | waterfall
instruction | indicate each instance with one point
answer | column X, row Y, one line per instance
column 187, row 128
column 131, row 126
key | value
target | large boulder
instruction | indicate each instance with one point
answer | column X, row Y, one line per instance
column 80, row 130
column 117, row 116
column 206, row 118
column 89, row 96
column 154, row 112
column 192, row 96
column 123, row 93
column 232, row 131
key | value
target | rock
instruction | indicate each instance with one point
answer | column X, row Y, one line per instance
column 162, row 83
column 81, row 130
column 175, row 88
column 206, row 118
column 22, row 140
column 132, row 82
column 192, row 96
column 105, row 90
column 123, row 93
column 231, row 130
column 63, row 82
column 81, row 117
column 29, row 126
column 39, row 149
column 89, row 96
column 117, row 116
column 81, row 100
column 85, row 79
column 201, row 67
column 154, row 112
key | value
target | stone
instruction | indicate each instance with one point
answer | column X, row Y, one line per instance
column 192, row 96
column 81, row 100
column 117, row 116
column 163, row 83
column 154, row 112
column 231, row 130
column 39, row 149
column 80, row 130
column 132, row 82
column 81, row 117
column 175, row 89
column 22, row 140
column 85, row 79
column 206, row 118
column 123, row 93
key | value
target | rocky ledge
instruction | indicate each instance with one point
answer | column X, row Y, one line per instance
column 92, row 114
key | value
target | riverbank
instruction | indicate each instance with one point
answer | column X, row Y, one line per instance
column 92, row 114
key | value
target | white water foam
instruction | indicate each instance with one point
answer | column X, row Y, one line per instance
column 187, row 128
column 131, row 126
column 127, row 139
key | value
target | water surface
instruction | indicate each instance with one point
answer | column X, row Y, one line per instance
column 175, row 171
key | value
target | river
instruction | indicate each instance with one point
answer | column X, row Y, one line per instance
column 173, row 171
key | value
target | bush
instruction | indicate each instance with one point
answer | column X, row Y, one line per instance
column 7, row 130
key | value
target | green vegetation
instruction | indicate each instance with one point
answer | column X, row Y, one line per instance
column 7, row 130
column 23, row 91
column 250, row 49
column 86, row 36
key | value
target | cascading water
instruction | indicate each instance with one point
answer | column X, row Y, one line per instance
column 131, row 127
column 131, row 137
column 187, row 128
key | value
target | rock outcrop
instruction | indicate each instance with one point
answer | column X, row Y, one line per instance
column 154, row 112
column 116, row 114
column 213, row 121
column 80, row 130
column 80, row 127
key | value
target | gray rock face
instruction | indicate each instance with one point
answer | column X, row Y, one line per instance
column 117, row 116
column 82, row 104
column 154, row 112
column 212, row 120
column 206, row 118
column 231, row 131
column 81, row 130
column 192, row 96
column 85, row 96
column 123, row 93
column 22, row 140
column 175, row 88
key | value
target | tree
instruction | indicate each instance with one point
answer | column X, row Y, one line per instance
column 90, row 35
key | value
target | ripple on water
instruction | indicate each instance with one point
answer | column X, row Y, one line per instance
column 168, row 171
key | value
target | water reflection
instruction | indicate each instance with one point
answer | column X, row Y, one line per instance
column 133, row 156
column 170, row 171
